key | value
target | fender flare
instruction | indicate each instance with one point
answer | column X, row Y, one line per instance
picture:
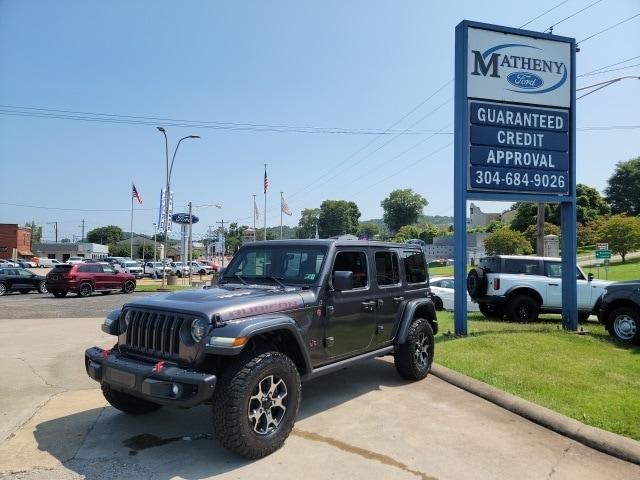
column 409, row 312
column 513, row 290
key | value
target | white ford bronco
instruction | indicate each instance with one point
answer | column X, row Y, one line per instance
column 522, row 287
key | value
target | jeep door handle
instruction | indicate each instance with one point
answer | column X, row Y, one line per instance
column 379, row 303
column 398, row 299
column 368, row 306
column 554, row 284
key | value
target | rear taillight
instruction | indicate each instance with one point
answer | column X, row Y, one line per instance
column 496, row 284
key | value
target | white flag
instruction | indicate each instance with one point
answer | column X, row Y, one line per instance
column 256, row 212
column 285, row 207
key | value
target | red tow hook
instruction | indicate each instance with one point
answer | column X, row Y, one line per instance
column 157, row 368
column 106, row 352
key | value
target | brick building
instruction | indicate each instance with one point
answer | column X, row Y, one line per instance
column 15, row 237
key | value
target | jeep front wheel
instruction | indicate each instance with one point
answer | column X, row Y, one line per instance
column 128, row 403
column 413, row 358
column 523, row 308
column 85, row 289
column 256, row 403
column 624, row 324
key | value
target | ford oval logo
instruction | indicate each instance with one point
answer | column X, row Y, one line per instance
column 183, row 218
column 525, row 80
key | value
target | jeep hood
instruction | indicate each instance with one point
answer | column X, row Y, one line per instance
column 228, row 302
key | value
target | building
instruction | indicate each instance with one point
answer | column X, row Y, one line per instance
column 142, row 241
column 15, row 241
column 477, row 218
column 443, row 248
column 62, row 251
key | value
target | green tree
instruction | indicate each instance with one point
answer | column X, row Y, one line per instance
column 505, row 241
column 622, row 233
column 590, row 204
column 527, row 215
column 589, row 231
column 307, row 223
column 406, row 232
column 106, row 235
column 428, row 231
column 496, row 225
column 368, row 230
column 531, row 233
column 402, row 207
column 623, row 190
column 116, row 250
column 338, row 217
column 142, row 251
column 36, row 232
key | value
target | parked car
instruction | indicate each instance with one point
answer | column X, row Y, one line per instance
column 21, row 280
column 201, row 268
column 180, row 268
column 94, row 260
column 114, row 260
column 24, row 263
column 130, row 266
column 619, row 311
column 214, row 266
column 7, row 264
column 85, row 278
column 49, row 262
column 442, row 290
column 521, row 287
column 74, row 260
column 151, row 268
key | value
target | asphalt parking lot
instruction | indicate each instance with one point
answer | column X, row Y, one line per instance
column 361, row 423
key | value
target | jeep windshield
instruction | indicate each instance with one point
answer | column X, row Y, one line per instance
column 289, row 264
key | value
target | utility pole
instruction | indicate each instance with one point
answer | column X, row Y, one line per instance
column 540, row 235
column 82, row 226
column 55, row 228
column 189, row 247
column 221, row 222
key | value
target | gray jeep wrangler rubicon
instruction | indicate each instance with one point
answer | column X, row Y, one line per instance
column 281, row 313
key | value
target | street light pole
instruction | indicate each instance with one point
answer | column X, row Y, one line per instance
column 155, row 245
column 169, row 170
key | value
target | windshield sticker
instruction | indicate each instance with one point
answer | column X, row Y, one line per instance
column 310, row 276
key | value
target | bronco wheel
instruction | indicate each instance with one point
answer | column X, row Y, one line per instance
column 85, row 289
column 59, row 293
column 128, row 287
column 477, row 283
column 491, row 311
column 413, row 358
column 42, row 287
column 256, row 403
column 624, row 324
column 523, row 308
column 128, row 403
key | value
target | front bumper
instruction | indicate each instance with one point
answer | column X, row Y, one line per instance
column 140, row 380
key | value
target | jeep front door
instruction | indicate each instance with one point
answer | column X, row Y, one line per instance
column 350, row 314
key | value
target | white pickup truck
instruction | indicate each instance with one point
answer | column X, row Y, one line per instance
column 522, row 287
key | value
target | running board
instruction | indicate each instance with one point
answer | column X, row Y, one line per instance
column 317, row 372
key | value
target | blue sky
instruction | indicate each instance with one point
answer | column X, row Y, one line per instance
column 352, row 65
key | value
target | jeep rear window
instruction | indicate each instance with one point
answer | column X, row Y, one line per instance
column 61, row 268
column 415, row 268
column 523, row 267
column 288, row 263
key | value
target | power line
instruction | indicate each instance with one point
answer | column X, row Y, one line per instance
column 593, row 72
column 612, row 70
column 609, row 28
column 543, row 14
column 573, row 14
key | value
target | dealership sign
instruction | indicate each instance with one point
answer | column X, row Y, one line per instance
column 184, row 218
column 514, row 135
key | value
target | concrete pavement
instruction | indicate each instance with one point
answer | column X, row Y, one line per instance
column 364, row 422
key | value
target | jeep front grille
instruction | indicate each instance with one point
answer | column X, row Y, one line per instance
column 153, row 333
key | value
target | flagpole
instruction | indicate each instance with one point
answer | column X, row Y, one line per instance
column 254, row 214
column 280, row 215
column 131, row 221
column 265, row 202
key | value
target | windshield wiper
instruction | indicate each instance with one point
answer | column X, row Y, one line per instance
column 275, row 280
column 239, row 277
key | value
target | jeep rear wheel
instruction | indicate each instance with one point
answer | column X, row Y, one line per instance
column 256, row 403
column 85, row 289
column 523, row 308
column 59, row 293
column 624, row 324
column 128, row 403
column 413, row 358
column 491, row 311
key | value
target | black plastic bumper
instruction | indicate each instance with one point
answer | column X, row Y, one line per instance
column 140, row 380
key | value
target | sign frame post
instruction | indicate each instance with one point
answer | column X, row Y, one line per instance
column 462, row 186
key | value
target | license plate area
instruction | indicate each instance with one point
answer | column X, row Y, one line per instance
column 124, row 379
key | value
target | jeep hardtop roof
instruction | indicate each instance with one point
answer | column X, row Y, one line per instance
column 336, row 242
column 524, row 257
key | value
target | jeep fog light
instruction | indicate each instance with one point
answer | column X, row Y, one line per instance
column 197, row 329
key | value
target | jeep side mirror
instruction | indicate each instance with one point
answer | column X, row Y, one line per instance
column 342, row 280
column 590, row 277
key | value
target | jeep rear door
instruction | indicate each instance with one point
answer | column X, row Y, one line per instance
column 414, row 270
column 350, row 320
column 388, row 292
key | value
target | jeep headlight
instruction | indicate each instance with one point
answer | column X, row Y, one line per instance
column 198, row 327
column 111, row 324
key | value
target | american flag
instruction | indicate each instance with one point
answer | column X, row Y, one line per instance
column 266, row 180
column 135, row 194
column 285, row 208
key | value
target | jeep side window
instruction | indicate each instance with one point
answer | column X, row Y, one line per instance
column 554, row 270
column 523, row 267
column 415, row 269
column 355, row 262
column 387, row 271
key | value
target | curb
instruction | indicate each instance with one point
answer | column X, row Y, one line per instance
column 606, row 442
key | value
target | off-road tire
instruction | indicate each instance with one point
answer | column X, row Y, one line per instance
column 42, row 287
column 623, row 324
column 523, row 308
column 129, row 286
column 85, row 289
column 232, row 399
column 413, row 358
column 477, row 283
column 59, row 293
column 493, row 312
column 128, row 403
